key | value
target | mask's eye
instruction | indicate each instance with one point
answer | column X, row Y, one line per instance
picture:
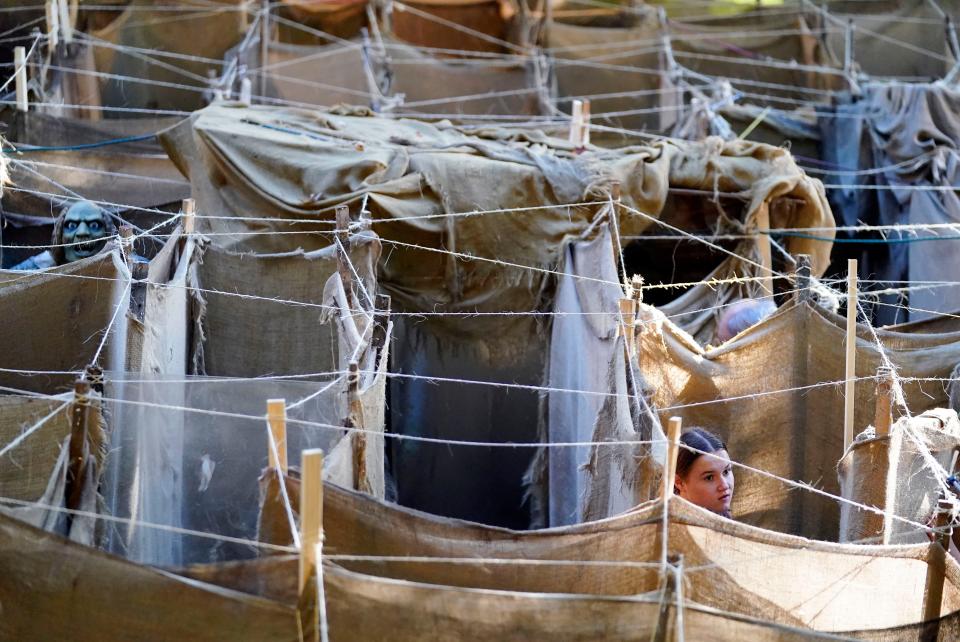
column 71, row 225
column 95, row 226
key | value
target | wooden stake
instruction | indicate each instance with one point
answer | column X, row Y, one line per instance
column 576, row 124
column 804, row 278
column 126, row 244
column 628, row 312
column 277, row 418
column 851, row 370
column 381, row 320
column 53, row 23
column 79, row 416
column 66, row 24
column 883, row 416
column 311, row 512
column 763, row 247
column 246, row 92
column 585, row 124
column 670, row 465
column 354, row 419
column 343, row 251
column 189, row 218
column 20, row 69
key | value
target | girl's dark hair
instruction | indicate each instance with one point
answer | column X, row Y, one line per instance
column 702, row 440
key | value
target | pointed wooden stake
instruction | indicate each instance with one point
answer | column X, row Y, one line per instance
column 311, row 512
column 277, row 418
column 670, row 465
column 189, row 218
column 804, row 278
column 851, row 369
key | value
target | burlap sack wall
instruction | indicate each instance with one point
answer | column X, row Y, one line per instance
column 61, row 316
column 892, row 473
column 799, row 434
column 25, row 470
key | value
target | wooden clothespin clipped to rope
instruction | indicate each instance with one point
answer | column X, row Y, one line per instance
column 277, row 420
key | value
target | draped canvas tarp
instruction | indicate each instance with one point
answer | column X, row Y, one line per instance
column 419, row 179
column 589, row 397
column 890, row 472
column 759, row 392
column 56, row 319
column 910, row 132
column 264, row 314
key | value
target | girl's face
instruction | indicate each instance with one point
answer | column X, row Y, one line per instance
column 709, row 483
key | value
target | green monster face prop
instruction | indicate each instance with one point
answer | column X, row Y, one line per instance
column 87, row 226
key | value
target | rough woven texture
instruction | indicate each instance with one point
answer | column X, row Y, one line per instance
column 445, row 85
column 61, row 316
column 245, row 337
column 797, row 435
column 597, row 60
column 25, row 470
column 890, row 472
column 732, row 567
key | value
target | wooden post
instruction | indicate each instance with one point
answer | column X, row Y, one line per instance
column 358, row 439
column 264, row 44
column 343, row 251
column 628, row 312
column 851, row 369
column 53, row 23
column 585, row 124
column 936, row 567
column 76, row 465
column 189, row 215
column 576, row 125
column 637, row 287
column 126, row 244
column 381, row 320
column 246, row 91
column 66, row 24
column 20, row 69
column 762, row 222
column 804, row 278
column 670, row 465
column 311, row 513
column 277, row 418
column 884, row 405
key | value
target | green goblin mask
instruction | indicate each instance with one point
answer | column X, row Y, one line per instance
column 86, row 226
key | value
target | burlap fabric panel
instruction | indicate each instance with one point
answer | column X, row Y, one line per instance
column 892, row 473
column 786, row 424
column 597, row 60
column 61, row 316
column 250, row 326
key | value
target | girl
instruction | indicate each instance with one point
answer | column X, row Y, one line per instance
column 704, row 479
